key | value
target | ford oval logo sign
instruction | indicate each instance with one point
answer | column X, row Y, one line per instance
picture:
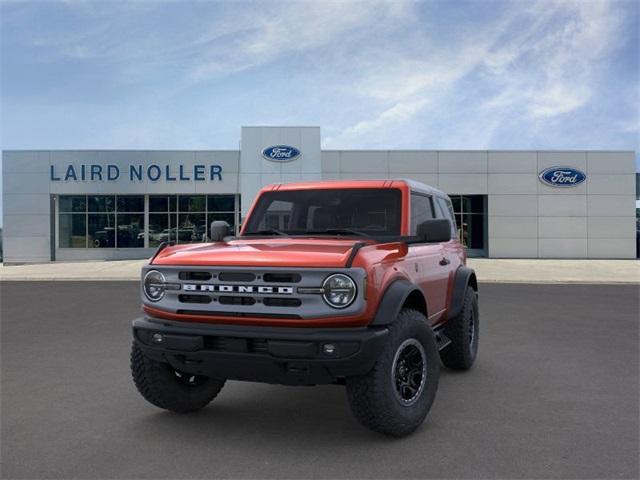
column 562, row 177
column 281, row 153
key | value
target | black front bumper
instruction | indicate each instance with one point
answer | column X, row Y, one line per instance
column 290, row 356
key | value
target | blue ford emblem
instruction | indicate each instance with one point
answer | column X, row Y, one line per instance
column 562, row 177
column 281, row 153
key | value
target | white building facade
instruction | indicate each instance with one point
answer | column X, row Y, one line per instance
column 121, row 204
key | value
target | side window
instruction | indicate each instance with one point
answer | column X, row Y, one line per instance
column 446, row 211
column 421, row 210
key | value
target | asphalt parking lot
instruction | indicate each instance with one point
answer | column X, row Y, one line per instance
column 554, row 394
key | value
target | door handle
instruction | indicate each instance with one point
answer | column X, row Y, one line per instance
column 444, row 261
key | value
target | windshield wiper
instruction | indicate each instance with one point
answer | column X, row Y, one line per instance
column 268, row 231
column 339, row 231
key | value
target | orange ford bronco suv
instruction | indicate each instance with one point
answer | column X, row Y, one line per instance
column 357, row 283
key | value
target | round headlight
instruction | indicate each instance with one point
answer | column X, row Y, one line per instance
column 153, row 285
column 339, row 290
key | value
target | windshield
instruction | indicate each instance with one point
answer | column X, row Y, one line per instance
column 345, row 211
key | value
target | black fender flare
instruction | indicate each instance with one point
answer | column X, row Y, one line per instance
column 392, row 301
column 464, row 277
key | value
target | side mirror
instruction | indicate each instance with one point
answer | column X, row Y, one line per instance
column 434, row 230
column 219, row 229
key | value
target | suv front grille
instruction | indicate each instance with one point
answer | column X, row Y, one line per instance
column 231, row 300
column 256, row 292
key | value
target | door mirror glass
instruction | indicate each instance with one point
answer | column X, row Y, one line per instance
column 434, row 230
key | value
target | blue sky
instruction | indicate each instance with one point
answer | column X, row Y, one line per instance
column 403, row 74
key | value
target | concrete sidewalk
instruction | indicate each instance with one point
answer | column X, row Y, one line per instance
column 120, row 270
column 556, row 271
column 488, row 270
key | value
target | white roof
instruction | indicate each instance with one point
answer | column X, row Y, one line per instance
column 422, row 187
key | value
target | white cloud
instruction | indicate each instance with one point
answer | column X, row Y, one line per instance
column 398, row 113
column 630, row 126
column 260, row 37
column 543, row 57
column 374, row 72
column 405, row 88
column 231, row 37
column 558, row 98
column 570, row 71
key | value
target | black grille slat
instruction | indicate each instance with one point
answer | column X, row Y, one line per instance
column 236, row 276
column 258, row 345
column 236, row 344
column 282, row 302
column 229, row 300
column 194, row 298
column 282, row 277
column 214, row 343
column 195, row 276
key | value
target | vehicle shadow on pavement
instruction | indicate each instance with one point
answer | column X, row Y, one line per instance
column 266, row 410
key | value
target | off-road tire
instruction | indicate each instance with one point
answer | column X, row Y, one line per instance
column 462, row 351
column 373, row 397
column 159, row 384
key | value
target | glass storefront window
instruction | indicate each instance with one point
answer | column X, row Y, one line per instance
column 191, row 227
column 118, row 221
column 97, row 221
column 131, row 203
column 101, row 229
column 456, row 202
column 469, row 204
column 130, row 221
column 73, row 203
column 472, row 227
column 471, row 216
column 130, row 230
column 162, row 224
column 158, row 203
column 221, row 203
column 102, row 203
column 159, row 229
column 192, row 218
column 73, row 230
column 196, row 212
column 192, row 203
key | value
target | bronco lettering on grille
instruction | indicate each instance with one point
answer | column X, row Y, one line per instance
column 265, row 289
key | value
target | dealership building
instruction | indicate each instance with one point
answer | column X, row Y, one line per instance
column 121, row 204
